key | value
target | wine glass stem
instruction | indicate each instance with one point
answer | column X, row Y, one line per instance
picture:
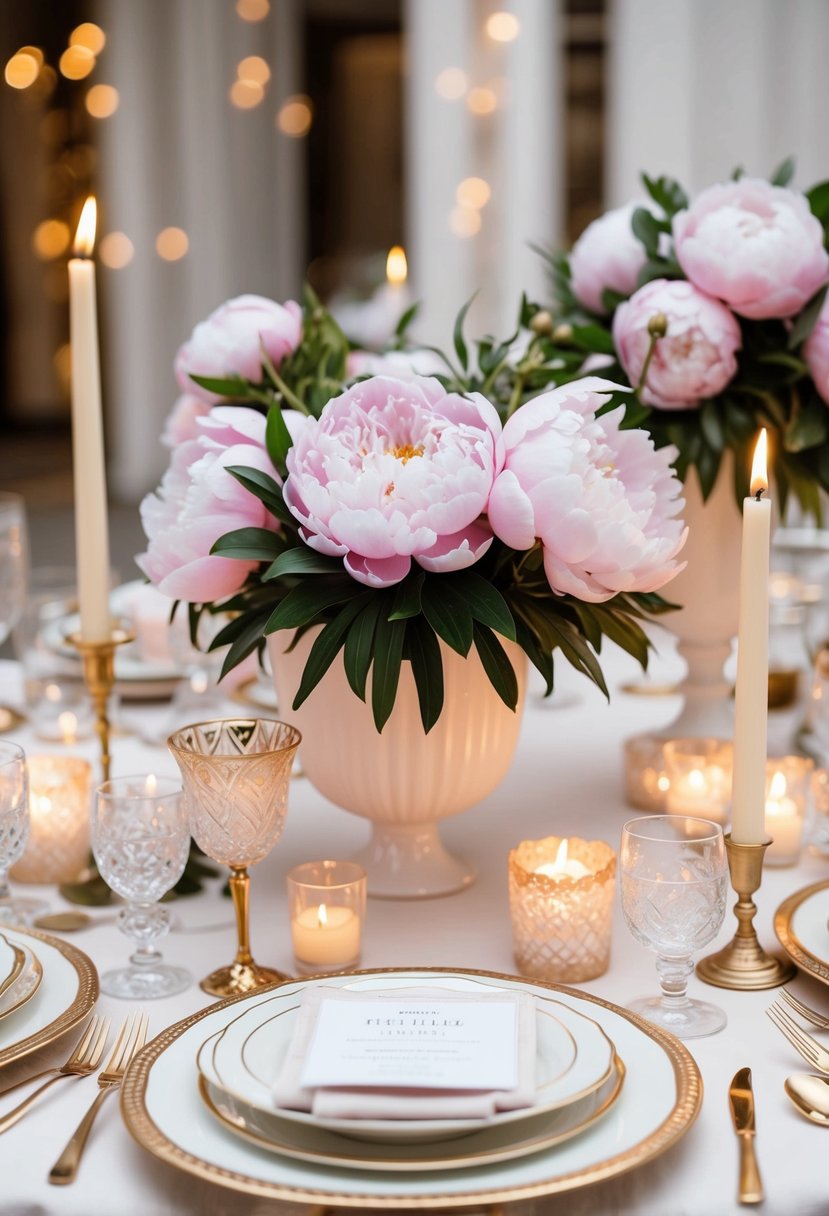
column 673, row 979
column 239, row 883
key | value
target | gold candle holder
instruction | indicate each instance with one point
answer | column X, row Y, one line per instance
column 99, row 676
column 744, row 965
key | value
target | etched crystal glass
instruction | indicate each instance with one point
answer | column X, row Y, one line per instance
column 14, row 833
column 141, row 841
column 236, row 773
column 674, row 879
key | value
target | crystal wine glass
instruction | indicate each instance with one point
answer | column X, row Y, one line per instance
column 14, row 833
column 14, row 578
column 674, row 888
column 141, row 841
column 236, row 773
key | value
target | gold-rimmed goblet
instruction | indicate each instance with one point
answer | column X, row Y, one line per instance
column 235, row 773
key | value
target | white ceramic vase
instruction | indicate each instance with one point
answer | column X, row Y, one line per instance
column 708, row 590
column 403, row 780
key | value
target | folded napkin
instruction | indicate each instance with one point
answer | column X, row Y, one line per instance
column 339, row 1102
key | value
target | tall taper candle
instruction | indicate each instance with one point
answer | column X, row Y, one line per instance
column 91, row 531
column 751, row 698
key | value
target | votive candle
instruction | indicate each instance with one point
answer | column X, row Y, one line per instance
column 58, row 846
column 327, row 907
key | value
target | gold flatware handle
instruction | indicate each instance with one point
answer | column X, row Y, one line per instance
column 11, row 1117
column 66, row 1166
column 751, row 1184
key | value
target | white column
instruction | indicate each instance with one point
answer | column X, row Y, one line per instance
column 529, row 163
column 438, row 157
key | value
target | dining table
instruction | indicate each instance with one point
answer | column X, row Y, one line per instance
column 566, row 779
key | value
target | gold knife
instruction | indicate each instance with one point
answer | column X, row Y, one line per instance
column 741, row 1099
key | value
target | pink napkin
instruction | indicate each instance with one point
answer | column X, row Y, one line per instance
column 376, row 1103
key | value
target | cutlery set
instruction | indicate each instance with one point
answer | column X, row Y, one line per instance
column 83, row 1061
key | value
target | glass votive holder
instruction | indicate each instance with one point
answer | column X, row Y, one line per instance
column 819, row 821
column 327, row 908
column 699, row 772
column 561, row 905
column 787, row 786
column 58, row 845
column 646, row 779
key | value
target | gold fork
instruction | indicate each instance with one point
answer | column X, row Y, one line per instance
column 809, row 1049
column 83, row 1060
column 808, row 1014
column 131, row 1038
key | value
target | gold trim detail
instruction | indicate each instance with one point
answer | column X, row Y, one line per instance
column 686, row 1108
column 795, row 949
column 85, row 998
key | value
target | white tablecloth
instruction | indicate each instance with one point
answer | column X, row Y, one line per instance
column 566, row 779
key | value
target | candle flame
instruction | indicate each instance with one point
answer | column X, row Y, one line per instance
column 696, row 781
column 85, row 233
column 322, row 916
column 397, row 268
column 777, row 788
column 68, row 724
column 150, row 784
column 561, row 856
column 759, row 465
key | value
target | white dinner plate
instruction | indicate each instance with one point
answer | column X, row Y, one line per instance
column 801, row 925
column 25, row 985
column 66, row 993
column 11, row 964
column 659, row 1101
column 573, row 1058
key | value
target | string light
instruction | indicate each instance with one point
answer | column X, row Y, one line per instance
column 451, row 84
column 245, row 94
column 503, row 27
column 22, row 70
column 88, row 35
column 482, row 100
column 50, row 239
column 76, row 62
column 102, row 100
column 171, row 244
column 473, row 192
column 464, row 221
column 253, row 10
column 295, row 116
column 116, row 250
column 254, row 68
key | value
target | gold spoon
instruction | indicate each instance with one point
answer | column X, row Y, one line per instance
column 810, row 1094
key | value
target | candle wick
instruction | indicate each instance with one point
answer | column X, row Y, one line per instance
column 759, row 494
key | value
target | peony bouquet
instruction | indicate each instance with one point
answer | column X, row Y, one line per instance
column 713, row 310
column 402, row 501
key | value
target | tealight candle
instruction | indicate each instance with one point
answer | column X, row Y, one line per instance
column 787, row 782
column 58, row 845
column 699, row 778
column 327, row 905
column 561, row 904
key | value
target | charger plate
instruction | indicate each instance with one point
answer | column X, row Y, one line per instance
column 12, row 959
column 800, row 925
column 574, row 1058
column 660, row 1099
column 66, row 993
column 25, row 984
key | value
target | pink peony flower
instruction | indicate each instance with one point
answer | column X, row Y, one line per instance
column 756, row 246
column 607, row 254
column 816, row 352
column 182, row 421
column 697, row 356
column 198, row 501
column 395, row 470
column 228, row 343
column 601, row 500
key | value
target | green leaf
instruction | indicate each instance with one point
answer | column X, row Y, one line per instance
column 248, row 544
column 263, row 487
column 807, row 427
column 666, row 193
column 277, row 437
column 497, row 666
column 484, row 601
column 612, row 299
column 457, row 336
column 385, row 670
column 406, row 320
column 359, row 645
column 818, row 198
column 806, row 320
column 226, row 386
column 784, row 172
column 307, row 601
column 326, row 647
column 423, row 652
column 302, row 559
column 646, row 229
column 540, row 658
column 407, row 594
column 711, row 424
column 448, row 614
column 594, row 338
column 247, row 637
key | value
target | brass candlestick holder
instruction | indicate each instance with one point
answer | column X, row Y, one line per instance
column 99, row 677
column 744, row 964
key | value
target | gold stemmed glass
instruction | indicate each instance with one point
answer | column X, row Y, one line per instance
column 235, row 773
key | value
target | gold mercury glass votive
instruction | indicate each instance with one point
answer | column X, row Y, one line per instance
column 699, row 774
column 787, row 788
column 646, row 777
column 562, row 915
column 58, row 845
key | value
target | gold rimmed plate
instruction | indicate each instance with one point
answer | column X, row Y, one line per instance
column 26, row 983
column 67, row 991
column 12, row 959
column 801, row 927
column 659, row 1101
